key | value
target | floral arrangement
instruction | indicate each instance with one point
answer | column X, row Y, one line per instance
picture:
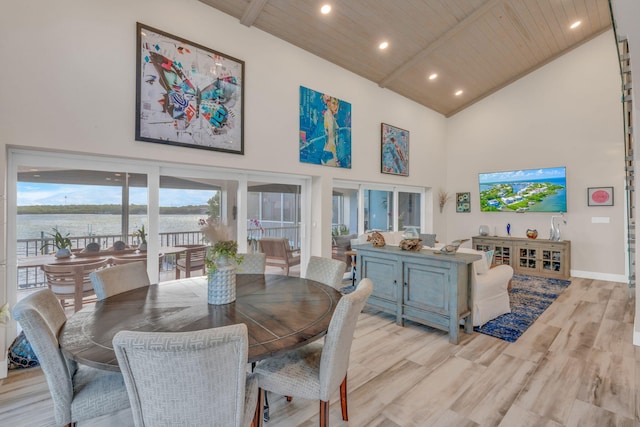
column 218, row 235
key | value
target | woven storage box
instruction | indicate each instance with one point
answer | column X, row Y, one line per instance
column 222, row 285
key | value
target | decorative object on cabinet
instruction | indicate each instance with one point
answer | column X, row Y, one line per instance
column 452, row 248
column 555, row 228
column 394, row 150
column 325, row 129
column 463, row 202
column 532, row 233
column 187, row 94
column 600, row 196
column 484, row 230
column 509, row 230
column 539, row 257
column 410, row 245
column 420, row 286
column 376, row 238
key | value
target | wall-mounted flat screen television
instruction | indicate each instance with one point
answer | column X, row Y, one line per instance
column 527, row 190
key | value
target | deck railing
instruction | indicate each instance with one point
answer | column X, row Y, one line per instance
column 32, row 277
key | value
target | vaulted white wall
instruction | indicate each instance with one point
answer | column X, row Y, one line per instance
column 568, row 113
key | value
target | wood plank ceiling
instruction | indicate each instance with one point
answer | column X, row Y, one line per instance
column 477, row 46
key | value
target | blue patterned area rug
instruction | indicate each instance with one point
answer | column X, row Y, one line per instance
column 529, row 296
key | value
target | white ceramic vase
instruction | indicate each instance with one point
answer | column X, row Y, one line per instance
column 221, row 287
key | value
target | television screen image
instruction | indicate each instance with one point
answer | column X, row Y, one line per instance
column 527, row 190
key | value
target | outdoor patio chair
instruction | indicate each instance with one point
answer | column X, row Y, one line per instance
column 71, row 281
column 279, row 254
column 190, row 260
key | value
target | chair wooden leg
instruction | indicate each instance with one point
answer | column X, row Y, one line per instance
column 324, row 413
column 257, row 415
column 343, row 399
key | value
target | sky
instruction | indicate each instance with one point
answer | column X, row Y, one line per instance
column 30, row 194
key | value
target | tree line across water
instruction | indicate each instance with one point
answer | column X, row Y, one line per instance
column 111, row 209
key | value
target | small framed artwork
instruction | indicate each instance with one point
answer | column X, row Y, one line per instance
column 395, row 150
column 187, row 94
column 463, row 202
column 600, row 196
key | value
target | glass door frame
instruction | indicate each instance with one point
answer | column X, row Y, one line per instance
column 395, row 189
column 153, row 170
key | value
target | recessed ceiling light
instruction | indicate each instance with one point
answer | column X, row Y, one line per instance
column 384, row 45
column 433, row 76
column 459, row 92
column 325, row 9
column 575, row 25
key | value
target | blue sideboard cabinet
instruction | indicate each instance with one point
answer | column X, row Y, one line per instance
column 425, row 287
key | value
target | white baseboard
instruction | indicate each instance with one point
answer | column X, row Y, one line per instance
column 621, row 278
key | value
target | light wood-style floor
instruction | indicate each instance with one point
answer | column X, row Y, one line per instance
column 575, row 366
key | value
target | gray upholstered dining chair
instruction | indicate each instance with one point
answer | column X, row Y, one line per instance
column 252, row 264
column 188, row 378
column 326, row 270
column 315, row 371
column 78, row 392
column 119, row 278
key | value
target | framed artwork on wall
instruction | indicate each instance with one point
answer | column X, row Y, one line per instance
column 394, row 150
column 463, row 202
column 187, row 94
column 325, row 129
column 600, row 196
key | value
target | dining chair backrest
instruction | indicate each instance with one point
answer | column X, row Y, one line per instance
column 252, row 264
column 279, row 253
column 71, row 281
column 326, row 270
column 334, row 361
column 186, row 378
column 41, row 318
column 119, row 278
column 191, row 260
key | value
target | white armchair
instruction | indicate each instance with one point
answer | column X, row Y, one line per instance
column 489, row 289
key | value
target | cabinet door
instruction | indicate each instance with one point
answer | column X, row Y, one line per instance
column 502, row 255
column 384, row 274
column 553, row 260
column 426, row 287
column 528, row 259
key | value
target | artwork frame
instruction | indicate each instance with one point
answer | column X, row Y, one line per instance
column 394, row 150
column 463, row 202
column 200, row 107
column 600, row 196
column 325, row 129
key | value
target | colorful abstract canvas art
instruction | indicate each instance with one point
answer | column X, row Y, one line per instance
column 187, row 94
column 395, row 150
column 325, row 129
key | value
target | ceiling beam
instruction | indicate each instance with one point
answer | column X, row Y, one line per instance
column 478, row 13
column 252, row 11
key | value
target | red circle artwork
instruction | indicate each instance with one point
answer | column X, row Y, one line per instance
column 600, row 196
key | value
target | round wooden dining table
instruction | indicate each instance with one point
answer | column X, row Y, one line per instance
column 281, row 313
